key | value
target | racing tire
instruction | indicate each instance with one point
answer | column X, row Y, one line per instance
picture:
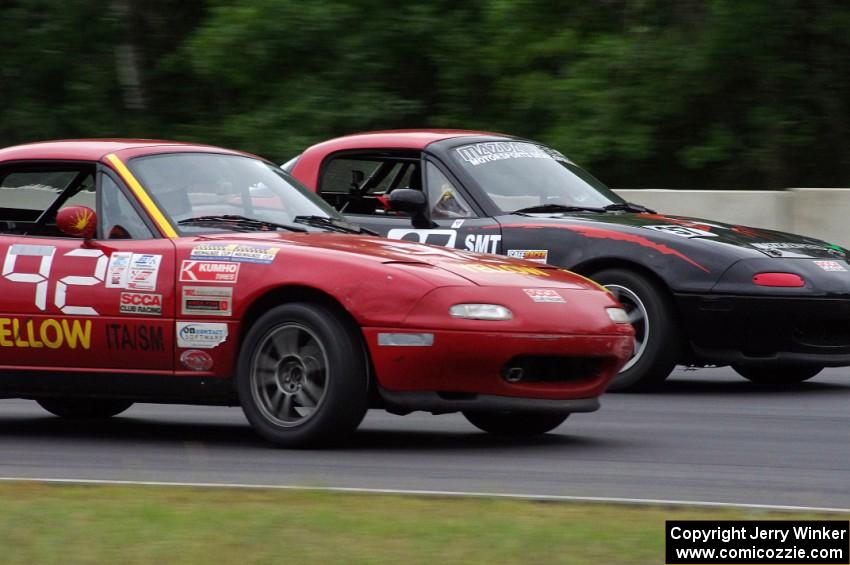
column 302, row 376
column 777, row 376
column 516, row 423
column 84, row 408
column 658, row 341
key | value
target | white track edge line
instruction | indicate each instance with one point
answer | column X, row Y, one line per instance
column 438, row 493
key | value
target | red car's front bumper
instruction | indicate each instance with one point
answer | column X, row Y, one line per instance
column 465, row 369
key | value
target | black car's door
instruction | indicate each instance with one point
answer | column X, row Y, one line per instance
column 359, row 184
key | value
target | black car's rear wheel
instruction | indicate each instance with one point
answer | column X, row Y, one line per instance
column 777, row 375
column 84, row 408
column 516, row 423
column 657, row 338
column 302, row 378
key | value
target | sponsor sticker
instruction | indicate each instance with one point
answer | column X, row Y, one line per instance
column 196, row 360
column 200, row 335
column 487, row 152
column 140, row 303
column 143, row 272
column 457, row 223
column 544, row 295
column 535, row 255
column 241, row 253
column 787, row 245
column 830, row 265
column 209, row 271
column 207, row 301
column 118, row 270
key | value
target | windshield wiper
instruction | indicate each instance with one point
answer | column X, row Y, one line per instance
column 543, row 208
column 235, row 221
column 628, row 207
column 332, row 224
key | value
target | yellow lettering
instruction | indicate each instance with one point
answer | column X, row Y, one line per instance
column 5, row 333
column 75, row 333
column 16, row 330
column 517, row 269
column 56, row 341
column 31, row 336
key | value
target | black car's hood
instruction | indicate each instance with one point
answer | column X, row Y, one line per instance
column 747, row 239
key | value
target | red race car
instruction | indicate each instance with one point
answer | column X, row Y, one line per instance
column 149, row 271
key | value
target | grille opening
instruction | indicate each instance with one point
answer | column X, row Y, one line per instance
column 551, row 369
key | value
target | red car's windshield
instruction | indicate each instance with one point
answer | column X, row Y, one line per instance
column 520, row 174
column 204, row 185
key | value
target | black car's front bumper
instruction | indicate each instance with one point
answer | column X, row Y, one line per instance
column 739, row 329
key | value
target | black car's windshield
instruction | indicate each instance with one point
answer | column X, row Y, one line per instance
column 519, row 175
column 207, row 192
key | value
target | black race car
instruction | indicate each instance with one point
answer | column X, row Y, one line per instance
column 774, row 306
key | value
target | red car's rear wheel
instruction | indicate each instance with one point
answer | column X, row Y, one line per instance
column 516, row 423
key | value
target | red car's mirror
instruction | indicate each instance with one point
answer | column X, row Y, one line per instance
column 77, row 221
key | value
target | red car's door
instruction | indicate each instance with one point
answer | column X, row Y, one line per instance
column 103, row 304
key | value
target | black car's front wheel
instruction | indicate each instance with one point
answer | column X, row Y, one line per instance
column 84, row 408
column 657, row 338
column 516, row 423
column 775, row 375
column 302, row 376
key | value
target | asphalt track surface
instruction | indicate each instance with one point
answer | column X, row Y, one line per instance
column 708, row 435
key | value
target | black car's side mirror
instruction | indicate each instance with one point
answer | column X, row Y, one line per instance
column 408, row 200
column 411, row 202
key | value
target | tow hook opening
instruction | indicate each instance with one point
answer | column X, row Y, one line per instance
column 513, row 374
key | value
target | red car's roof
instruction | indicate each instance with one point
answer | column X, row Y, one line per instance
column 96, row 149
column 394, row 139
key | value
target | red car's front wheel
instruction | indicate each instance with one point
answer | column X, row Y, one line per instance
column 302, row 378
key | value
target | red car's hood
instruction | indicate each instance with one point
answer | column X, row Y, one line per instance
column 479, row 268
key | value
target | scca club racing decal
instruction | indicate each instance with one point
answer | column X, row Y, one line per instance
column 534, row 255
column 199, row 335
column 140, row 303
column 49, row 333
column 209, row 271
column 125, row 337
column 237, row 253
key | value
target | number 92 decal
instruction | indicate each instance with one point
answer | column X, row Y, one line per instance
column 45, row 253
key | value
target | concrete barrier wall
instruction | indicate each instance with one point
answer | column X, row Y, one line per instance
column 817, row 212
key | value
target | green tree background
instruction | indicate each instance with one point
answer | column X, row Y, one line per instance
column 645, row 93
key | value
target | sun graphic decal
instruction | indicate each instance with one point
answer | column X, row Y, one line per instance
column 81, row 220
